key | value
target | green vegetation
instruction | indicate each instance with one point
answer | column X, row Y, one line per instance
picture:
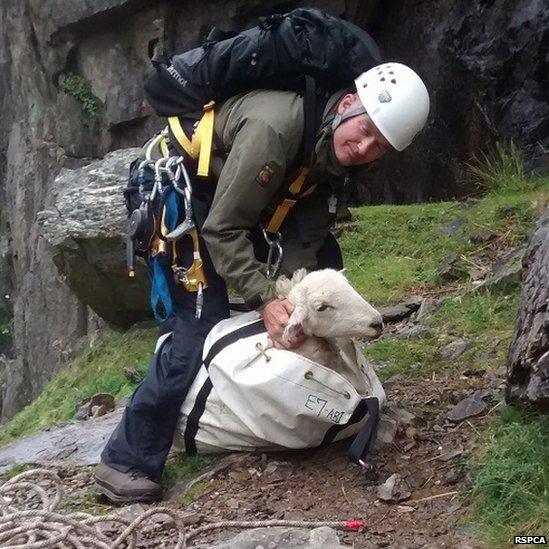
column 78, row 87
column 99, row 369
column 184, row 466
column 480, row 313
column 404, row 356
column 485, row 318
column 6, row 330
column 391, row 251
column 500, row 170
column 511, row 487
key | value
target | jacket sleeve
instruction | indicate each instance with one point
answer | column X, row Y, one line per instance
column 253, row 172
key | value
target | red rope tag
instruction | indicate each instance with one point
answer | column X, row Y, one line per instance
column 354, row 524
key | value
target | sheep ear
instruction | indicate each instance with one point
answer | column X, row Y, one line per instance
column 295, row 324
column 298, row 276
column 283, row 286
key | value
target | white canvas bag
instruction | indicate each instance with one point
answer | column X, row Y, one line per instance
column 249, row 396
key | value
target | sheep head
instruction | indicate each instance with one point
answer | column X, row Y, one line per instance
column 326, row 305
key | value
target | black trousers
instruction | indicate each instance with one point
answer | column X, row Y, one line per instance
column 144, row 435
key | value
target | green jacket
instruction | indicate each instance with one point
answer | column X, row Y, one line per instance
column 262, row 132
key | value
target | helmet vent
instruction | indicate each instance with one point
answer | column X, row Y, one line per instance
column 391, row 72
column 393, row 81
column 382, row 79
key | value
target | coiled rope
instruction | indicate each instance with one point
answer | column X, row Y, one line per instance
column 41, row 526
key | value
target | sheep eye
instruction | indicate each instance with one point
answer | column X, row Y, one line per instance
column 323, row 307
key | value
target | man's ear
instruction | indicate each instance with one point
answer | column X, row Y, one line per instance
column 346, row 102
column 295, row 324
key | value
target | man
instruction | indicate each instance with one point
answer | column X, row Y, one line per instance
column 262, row 132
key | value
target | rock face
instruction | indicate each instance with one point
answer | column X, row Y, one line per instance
column 528, row 372
column 486, row 68
column 44, row 130
column 495, row 50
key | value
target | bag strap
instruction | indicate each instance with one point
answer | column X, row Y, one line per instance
column 366, row 435
column 295, row 190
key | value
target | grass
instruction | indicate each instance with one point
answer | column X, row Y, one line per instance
column 413, row 357
column 99, row 369
column 184, row 466
column 500, row 170
column 391, row 251
column 511, row 487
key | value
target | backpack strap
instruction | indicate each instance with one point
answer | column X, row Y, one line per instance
column 295, row 190
column 200, row 145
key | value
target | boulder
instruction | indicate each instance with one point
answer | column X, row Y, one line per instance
column 86, row 230
column 396, row 313
column 506, row 272
column 454, row 349
column 528, row 372
column 451, row 269
column 289, row 538
column 471, row 406
column 76, row 442
column 453, row 227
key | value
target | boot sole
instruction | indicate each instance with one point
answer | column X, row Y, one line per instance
column 107, row 491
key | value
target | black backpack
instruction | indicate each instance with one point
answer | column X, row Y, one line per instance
column 274, row 55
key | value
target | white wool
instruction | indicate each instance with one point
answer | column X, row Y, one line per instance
column 330, row 312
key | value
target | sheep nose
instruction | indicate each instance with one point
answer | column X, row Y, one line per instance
column 377, row 326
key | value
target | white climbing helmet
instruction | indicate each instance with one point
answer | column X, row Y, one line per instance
column 396, row 100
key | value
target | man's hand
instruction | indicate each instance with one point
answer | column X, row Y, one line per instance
column 275, row 315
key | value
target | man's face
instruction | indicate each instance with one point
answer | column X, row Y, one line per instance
column 357, row 140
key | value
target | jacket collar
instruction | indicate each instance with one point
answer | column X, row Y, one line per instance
column 326, row 168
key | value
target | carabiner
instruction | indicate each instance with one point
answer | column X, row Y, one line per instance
column 199, row 300
column 272, row 269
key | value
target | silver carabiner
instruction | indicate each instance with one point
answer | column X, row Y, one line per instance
column 273, row 243
column 157, row 188
column 199, row 301
column 188, row 224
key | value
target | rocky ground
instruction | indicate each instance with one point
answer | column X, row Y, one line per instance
column 410, row 494
column 413, row 491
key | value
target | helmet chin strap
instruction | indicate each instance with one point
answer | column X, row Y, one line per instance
column 339, row 118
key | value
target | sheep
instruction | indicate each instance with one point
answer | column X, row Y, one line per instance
column 329, row 311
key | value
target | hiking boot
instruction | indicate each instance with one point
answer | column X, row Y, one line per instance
column 127, row 487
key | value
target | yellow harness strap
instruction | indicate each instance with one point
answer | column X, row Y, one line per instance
column 203, row 139
column 179, row 134
column 201, row 144
column 285, row 207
